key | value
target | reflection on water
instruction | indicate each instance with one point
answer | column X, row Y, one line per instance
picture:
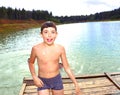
column 91, row 48
column 14, row 41
column 14, row 51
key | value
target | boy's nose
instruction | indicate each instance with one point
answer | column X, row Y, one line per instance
column 49, row 35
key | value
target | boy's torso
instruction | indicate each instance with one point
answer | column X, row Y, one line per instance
column 48, row 60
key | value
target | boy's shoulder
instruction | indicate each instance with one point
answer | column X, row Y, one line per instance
column 58, row 46
column 37, row 46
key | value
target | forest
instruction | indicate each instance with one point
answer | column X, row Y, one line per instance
column 17, row 14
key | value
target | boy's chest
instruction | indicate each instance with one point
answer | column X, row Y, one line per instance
column 49, row 55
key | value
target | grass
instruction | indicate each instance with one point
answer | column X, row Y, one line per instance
column 17, row 25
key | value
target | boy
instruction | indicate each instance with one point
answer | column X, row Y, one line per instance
column 48, row 55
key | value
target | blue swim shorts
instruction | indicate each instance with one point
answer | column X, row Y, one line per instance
column 54, row 83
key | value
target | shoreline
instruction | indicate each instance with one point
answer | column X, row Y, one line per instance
column 7, row 25
column 17, row 25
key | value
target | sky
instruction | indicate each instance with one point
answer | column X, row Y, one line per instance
column 64, row 7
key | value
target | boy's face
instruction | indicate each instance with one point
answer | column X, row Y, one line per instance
column 49, row 35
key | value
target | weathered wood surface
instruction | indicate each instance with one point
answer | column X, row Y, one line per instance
column 102, row 84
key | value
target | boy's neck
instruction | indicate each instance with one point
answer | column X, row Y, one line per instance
column 48, row 45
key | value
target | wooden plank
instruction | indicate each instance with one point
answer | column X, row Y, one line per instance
column 31, row 87
column 31, row 93
column 112, row 80
column 97, row 84
column 90, row 83
column 84, row 76
column 70, row 89
column 101, row 89
column 22, row 89
column 93, row 75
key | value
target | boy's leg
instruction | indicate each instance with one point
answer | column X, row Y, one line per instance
column 58, row 92
column 44, row 92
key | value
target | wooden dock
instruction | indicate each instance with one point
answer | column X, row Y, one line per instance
column 100, row 84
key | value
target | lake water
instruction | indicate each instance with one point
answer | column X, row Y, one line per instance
column 91, row 48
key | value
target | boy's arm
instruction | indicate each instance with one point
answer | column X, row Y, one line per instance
column 68, row 71
column 31, row 61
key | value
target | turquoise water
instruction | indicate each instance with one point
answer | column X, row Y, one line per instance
column 90, row 47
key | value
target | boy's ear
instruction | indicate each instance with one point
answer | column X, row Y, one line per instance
column 40, row 35
column 57, row 33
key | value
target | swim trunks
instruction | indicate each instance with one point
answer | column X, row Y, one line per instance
column 54, row 83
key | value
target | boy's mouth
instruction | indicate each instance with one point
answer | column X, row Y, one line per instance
column 49, row 40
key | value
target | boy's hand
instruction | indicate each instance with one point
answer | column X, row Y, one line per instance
column 38, row 82
column 77, row 89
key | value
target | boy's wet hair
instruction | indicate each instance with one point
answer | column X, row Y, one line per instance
column 48, row 24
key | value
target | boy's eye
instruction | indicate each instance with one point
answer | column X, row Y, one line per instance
column 45, row 31
column 53, row 32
